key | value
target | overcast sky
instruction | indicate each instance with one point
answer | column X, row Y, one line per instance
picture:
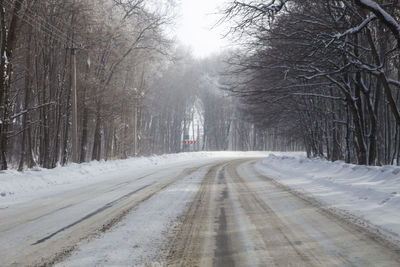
column 194, row 26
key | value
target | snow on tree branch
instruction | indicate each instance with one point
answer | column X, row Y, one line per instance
column 251, row 11
column 271, row 6
column 357, row 28
column 383, row 16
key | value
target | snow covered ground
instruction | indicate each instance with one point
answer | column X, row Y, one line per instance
column 138, row 239
column 23, row 186
column 369, row 193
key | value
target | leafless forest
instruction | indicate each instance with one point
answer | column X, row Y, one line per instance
column 323, row 71
column 319, row 76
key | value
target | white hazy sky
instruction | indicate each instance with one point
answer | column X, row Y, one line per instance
column 194, row 26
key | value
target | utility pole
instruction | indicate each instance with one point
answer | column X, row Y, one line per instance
column 75, row 156
column 135, row 131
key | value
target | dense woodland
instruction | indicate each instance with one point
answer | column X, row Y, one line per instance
column 320, row 76
column 138, row 91
column 327, row 72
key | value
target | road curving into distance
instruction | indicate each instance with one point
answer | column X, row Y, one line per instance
column 238, row 217
column 241, row 218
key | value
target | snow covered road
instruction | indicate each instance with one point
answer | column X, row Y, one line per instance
column 207, row 211
column 242, row 218
column 43, row 230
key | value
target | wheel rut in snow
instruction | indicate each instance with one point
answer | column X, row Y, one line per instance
column 209, row 234
column 188, row 246
column 105, row 207
column 57, row 245
column 240, row 219
column 223, row 249
column 347, row 221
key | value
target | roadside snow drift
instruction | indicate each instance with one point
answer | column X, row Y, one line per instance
column 370, row 193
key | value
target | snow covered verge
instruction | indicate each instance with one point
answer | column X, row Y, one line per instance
column 372, row 194
column 22, row 186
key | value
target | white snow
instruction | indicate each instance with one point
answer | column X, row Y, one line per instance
column 371, row 194
column 23, row 186
column 138, row 239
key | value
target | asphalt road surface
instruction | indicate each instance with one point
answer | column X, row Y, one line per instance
column 237, row 218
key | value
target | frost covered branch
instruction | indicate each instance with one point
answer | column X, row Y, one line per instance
column 383, row 16
column 357, row 28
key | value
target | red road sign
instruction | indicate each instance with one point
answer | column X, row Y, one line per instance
column 190, row 142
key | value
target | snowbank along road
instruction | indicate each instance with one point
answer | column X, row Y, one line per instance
column 234, row 216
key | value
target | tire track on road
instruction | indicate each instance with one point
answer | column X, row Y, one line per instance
column 190, row 245
column 347, row 221
column 210, row 233
column 323, row 238
column 268, row 225
column 239, row 219
column 56, row 246
column 105, row 207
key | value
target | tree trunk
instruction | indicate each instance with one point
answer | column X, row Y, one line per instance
column 96, row 153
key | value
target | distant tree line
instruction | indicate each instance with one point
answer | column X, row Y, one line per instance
column 324, row 72
column 186, row 102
